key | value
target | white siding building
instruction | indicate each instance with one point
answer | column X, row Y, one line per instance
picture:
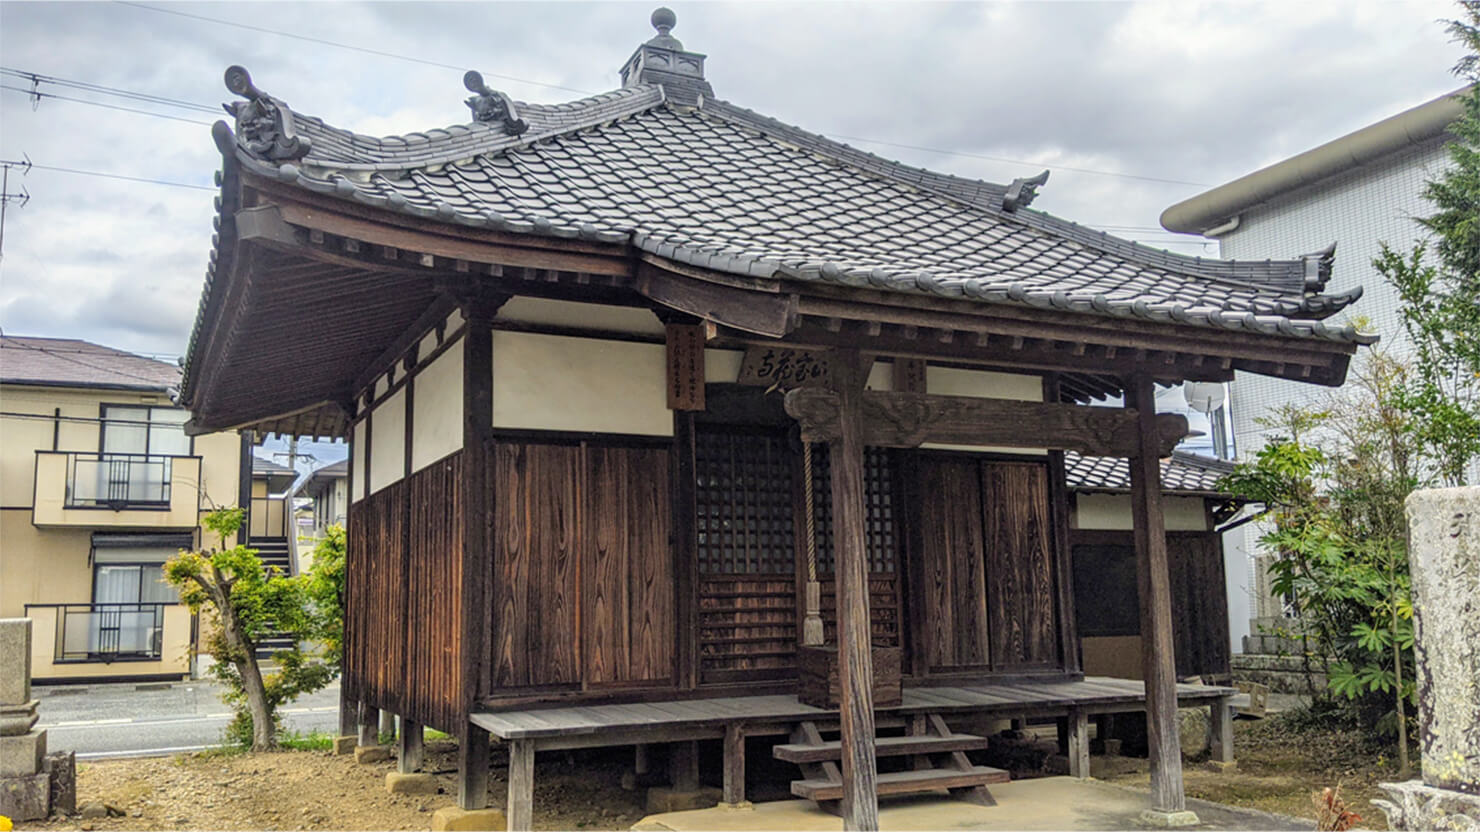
column 1358, row 191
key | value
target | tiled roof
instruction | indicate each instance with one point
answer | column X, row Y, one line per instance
column 64, row 362
column 1184, row 472
column 720, row 187
column 267, row 468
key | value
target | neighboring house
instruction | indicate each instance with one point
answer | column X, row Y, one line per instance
column 1104, row 557
column 99, row 485
column 327, row 490
column 658, row 406
column 1355, row 192
column 270, row 517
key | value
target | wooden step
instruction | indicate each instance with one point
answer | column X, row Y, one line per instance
column 883, row 747
column 906, row 782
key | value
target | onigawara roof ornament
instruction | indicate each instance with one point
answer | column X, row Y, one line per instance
column 490, row 106
column 1022, row 192
column 264, row 125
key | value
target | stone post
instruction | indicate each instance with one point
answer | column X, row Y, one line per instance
column 1444, row 560
column 25, row 790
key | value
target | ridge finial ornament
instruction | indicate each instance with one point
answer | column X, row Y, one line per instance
column 490, row 106
column 664, row 20
column 264, row 125
column 1022, row 191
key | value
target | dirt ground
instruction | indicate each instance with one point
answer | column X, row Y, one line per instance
column 1278, row 769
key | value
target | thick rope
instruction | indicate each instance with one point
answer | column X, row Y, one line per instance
column 811, row 512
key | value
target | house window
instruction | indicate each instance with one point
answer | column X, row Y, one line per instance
column 133, row 465
column 144, row 431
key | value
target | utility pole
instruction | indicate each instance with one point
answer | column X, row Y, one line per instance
column 6, row 197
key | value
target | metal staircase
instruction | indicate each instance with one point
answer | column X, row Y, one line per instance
column 273, row 552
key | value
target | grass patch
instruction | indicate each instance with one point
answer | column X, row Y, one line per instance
column 311, row 741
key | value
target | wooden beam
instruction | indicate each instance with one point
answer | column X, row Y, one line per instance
column 1158, row 663
column 734, row 779
column 860, row 802
column 907, row 420
column 521, row 786
column 747, row 310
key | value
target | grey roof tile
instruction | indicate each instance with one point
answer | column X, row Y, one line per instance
column 1184, row 472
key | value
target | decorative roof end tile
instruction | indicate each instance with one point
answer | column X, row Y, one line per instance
column 492, row 107
column 1022, row 192
column 264, row 125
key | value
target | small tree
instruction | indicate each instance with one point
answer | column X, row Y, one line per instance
column 248, row 604
column 1441, row 299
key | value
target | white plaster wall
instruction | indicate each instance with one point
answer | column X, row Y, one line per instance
column 722, row 366
column 388, row 441
column 552, row 382
column 437, row 408
column 357, row 463
column 567, row 313
column 983, row 384
column 1112, row 512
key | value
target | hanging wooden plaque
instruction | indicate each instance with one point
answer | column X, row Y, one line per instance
column 784, row 368
column 685, row 366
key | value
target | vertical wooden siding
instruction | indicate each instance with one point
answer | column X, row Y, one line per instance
column 582, row 566
column 1020, row 588
column 434, row 684
column 983, row 531
column 376, row 669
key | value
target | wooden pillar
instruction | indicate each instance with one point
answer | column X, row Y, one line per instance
column 472, row 769
column 734, row 783
column 1221, row 728
column 410, row 746
column 369, row 721
column 349, row 712
column 1158, row 663
column 1078, row 743
column 388, row 724
column 860, row 803
column 683, row 766
column 521, row 786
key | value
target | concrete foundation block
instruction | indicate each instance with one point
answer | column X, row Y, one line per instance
column 20, row 756
column 367, row 754
column 1415, row 805
column 345, row 745
column 25, row 798
column 742, row 806
column 61, row 767
column 1169, row 820
column 415, row 783
column 667, row 799
column 451, row 819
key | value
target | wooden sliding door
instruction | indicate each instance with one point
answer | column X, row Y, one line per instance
column 982, row 534
column 582, row 566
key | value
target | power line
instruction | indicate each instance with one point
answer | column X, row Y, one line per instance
column 123, row 177
column 382, row 53
column 38, row 94
column 87, row 86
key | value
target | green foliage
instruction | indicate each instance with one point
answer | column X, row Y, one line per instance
column 1335, row 500
column 324, row 584
column 250, row 603
column 1441, row 295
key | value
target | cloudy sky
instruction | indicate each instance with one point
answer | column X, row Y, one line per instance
column 1171, row 96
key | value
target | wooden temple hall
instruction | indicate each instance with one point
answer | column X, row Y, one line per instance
column 671, row 423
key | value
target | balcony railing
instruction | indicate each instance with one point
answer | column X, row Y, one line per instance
column 118, row 481
column 106, row 632
column 106, row 490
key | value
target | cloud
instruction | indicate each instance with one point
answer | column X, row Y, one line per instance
column 1195, row 91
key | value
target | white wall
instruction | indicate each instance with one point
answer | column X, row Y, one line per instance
column 357, row 463
column 437, row 408
column 565, row 313
column 388, row 441
column 1112, row 512
column 555, row 382
column 985, row 384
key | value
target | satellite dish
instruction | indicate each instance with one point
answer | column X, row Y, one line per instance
column 1203, row 396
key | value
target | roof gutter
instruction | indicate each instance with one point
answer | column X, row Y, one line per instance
column 1209, row 212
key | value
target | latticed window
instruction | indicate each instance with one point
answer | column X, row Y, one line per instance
column 878, row 511
column 744, row 495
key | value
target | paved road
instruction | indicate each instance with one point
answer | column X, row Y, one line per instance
column 127, row 719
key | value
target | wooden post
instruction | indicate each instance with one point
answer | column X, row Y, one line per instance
column 683, row 765
column 860, row 803
column 369, row 722
column 472, row 768
column 388, row 724
column 1221, row 726
column 734, row 785
column 640, row 765
column 1078, row 743
column 521, row 785
column 1157, row 659
column 410, row 746
column 349, row 715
